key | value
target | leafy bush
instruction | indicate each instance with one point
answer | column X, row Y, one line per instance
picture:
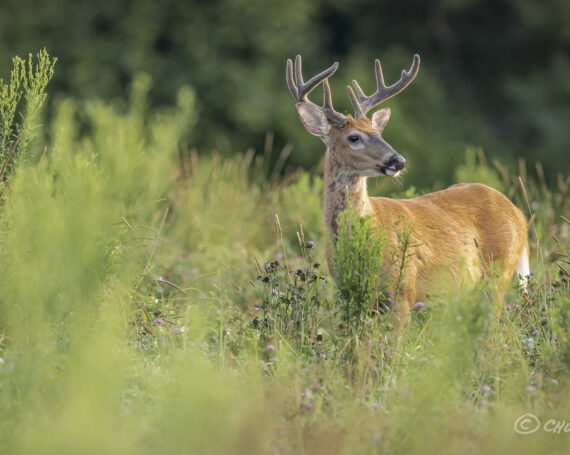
column 28, row 82
column 78, row 233
column 358, row 258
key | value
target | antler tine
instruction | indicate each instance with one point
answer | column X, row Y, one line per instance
column 362, row 103
column 299, row 79
column 358, row 113
column 328, row 108
column 290, row 82
column 300, row 89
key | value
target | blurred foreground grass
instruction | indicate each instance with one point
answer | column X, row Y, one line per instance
column 133, row 280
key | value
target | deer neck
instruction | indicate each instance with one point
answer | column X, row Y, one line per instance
column 340, row 185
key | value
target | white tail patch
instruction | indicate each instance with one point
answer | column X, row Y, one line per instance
column 523, row 270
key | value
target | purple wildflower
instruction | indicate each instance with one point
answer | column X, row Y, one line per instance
column 530, row 389
column 323, row 356
column 306, row 393
column 308, row 406
column 374, row 404
column 159, row 321
column 485, row 388
column 419, row 305
column 536, row 332
column 270, row 347
column 555, row 381
column 310, row 244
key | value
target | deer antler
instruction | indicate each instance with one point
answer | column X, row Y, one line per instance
column 362, row 103
column 300, row 89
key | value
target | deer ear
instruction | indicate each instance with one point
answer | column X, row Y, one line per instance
column 380, row 118
column 314, row 119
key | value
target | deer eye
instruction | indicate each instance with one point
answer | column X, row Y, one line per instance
column 353, row 138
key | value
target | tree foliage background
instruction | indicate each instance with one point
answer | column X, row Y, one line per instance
column 494, row 73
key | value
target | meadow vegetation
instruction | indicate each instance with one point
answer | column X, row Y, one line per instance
column 153, row 302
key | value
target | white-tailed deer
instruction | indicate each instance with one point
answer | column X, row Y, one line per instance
column 465, row 226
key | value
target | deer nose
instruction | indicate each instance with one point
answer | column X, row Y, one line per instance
column 397, row 162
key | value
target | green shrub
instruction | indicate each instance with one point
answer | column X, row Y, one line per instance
column 358, row 258
column 25, row 89
column 74, row 246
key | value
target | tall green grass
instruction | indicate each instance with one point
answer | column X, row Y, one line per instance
column 150, row 304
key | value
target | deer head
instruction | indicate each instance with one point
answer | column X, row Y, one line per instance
column 356, row 142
